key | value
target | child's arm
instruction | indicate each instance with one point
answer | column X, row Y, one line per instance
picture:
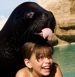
column 56, row 72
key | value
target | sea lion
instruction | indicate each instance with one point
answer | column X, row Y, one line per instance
column 26, row 19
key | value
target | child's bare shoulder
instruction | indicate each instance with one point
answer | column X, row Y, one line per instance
column 22, row 72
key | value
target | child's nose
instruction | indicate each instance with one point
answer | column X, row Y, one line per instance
column 47, row 60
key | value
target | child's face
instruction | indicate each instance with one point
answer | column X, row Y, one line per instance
column 42, row 66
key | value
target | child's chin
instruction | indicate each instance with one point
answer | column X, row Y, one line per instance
column 46, row 74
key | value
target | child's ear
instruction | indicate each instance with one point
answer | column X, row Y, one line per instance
column 27, row 63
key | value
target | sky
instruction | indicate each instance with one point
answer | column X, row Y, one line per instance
column 7, row 6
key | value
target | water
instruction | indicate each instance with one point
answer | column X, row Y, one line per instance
column 65, row 57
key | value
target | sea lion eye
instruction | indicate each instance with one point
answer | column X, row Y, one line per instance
column 30, row 14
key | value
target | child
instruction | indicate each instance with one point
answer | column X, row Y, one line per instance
column 38, row 60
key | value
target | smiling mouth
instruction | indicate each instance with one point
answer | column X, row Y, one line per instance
column 46, row 68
